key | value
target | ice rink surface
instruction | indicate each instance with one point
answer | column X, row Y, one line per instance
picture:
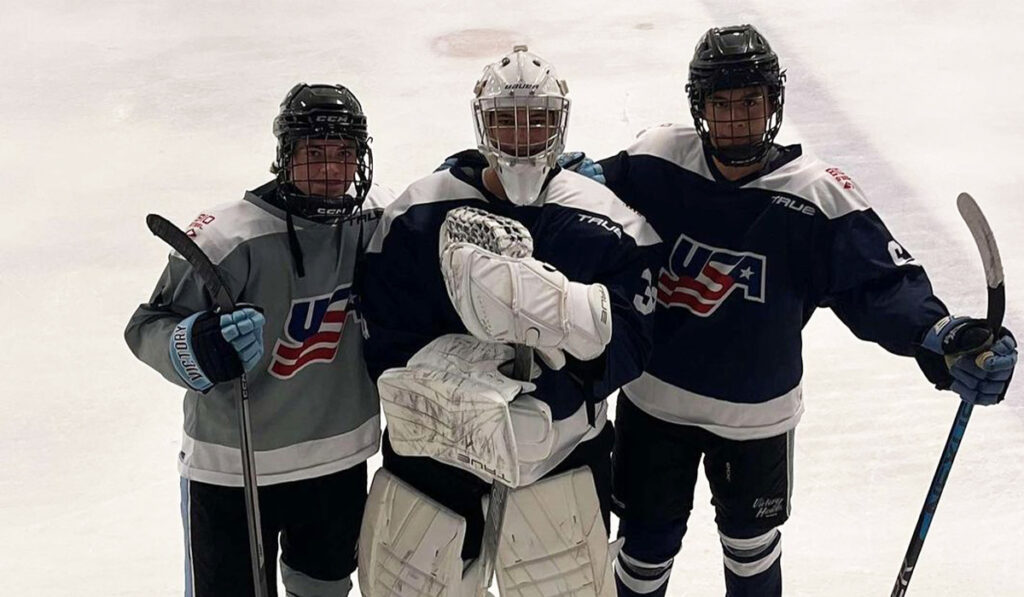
column 111, row 110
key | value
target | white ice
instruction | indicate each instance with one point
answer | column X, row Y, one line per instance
column 111, row 110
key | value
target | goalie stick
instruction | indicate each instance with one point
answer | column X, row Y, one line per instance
column 503, row 236
column 986, row 242
column 190, row 251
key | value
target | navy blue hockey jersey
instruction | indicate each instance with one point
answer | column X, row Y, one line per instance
column 747, row 262
column 581, row 229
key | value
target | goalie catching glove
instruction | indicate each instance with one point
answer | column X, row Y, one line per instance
column 502, row 294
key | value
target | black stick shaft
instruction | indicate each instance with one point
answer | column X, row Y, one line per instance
column 200, row 262
column 495, row 519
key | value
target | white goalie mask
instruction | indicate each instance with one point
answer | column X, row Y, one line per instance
column 521, row 113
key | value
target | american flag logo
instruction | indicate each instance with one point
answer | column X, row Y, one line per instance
column 311, row 333
column 700, row 277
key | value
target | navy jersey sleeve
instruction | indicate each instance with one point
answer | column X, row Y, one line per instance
column 628, row 278
column 399, row 316
column 875, row 286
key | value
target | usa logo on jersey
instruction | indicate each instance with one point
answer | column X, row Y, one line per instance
column 312, row 332
column 700, row 277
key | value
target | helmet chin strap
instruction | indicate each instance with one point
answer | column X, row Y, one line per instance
column 295, row 203
column 293, row 239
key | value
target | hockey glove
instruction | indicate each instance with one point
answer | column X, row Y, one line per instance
column 207, row 348
column 448, row 164
column 981, row 366
column 578, row 162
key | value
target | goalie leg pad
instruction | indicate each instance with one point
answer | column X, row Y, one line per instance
column 554, row 541
column 410, row 545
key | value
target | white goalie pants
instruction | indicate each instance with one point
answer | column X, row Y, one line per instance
column 554, row 542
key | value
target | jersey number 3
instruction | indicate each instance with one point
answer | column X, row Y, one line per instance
column 645, row 303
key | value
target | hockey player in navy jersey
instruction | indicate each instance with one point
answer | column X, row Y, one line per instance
column 759, row 236
column 289, row 249
column 439, row 330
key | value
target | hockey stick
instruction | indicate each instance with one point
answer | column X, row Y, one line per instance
column 986, row 242
column 503, row 236
column 495, row 519
column 187, row 248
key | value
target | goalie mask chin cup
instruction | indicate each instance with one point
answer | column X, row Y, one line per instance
column 523, row 182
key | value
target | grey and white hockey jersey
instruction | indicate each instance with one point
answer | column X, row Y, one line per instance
column 314, row 408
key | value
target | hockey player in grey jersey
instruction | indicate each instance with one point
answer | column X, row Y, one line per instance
column 290, row 249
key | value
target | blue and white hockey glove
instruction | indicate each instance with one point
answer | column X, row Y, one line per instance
column 578, row 162
column 981, row 366
column 448, row 164
column 207, row 348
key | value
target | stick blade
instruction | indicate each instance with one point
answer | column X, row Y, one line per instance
column 983, row 237
column 188, row 250
column 154, row 222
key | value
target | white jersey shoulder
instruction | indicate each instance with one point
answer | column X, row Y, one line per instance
column 826, row 187
column 379, row 197
column 675, row 143
column 433, row 188
column 579, row 192
column 220, row 230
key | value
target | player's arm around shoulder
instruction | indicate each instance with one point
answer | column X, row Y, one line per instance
column 181, row 307
column 667, row 145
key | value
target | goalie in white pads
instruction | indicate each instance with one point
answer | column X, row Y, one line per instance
column 569, row 274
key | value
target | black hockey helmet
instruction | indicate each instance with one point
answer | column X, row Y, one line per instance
column 322, row 112
column 734, row 58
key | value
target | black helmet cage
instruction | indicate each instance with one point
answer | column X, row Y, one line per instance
column 735, row 58
column 322, row 112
